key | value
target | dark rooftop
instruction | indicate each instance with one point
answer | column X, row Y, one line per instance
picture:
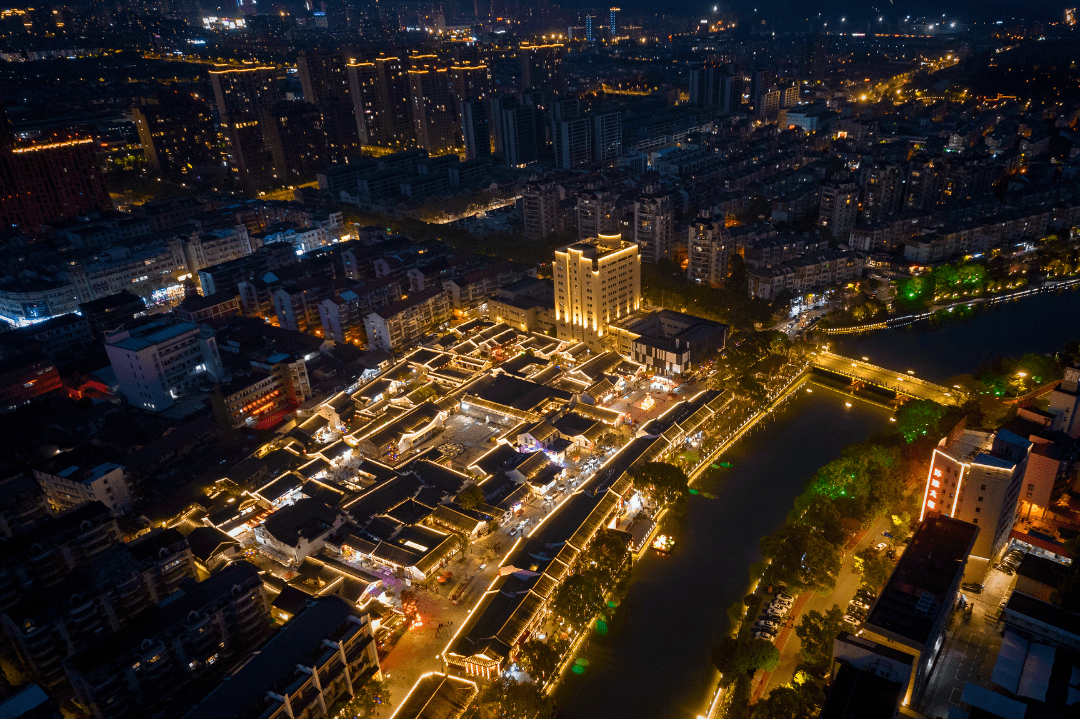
column 919, row 587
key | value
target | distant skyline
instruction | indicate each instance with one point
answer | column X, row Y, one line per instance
column 966, row 10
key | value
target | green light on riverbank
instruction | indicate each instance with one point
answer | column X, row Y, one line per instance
column 693, row 491
column 601, row 626
column 611, row 603
column 578, row 669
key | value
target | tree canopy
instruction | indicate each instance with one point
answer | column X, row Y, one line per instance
column 816, row 631
column 666, row 482
column 734, row 655
column 471, row 497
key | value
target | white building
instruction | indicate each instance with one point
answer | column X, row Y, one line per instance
column 597, row 282
column 976, row 477
column 74, row 485
column 159, row 361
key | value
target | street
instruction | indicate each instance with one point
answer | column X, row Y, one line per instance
column 846, row 585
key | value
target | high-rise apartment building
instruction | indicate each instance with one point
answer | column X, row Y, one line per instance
column 324, row 79
column 243, row 97
column 434, row 110
column 588, row 28
column 54, row 181
column 177, row 134
column 597, row 282
column 839, row 207
column 470, row 82
column 606, row 135
column 540, row 210
column 382, row 101
column 475, row 128
column 613, row 17
column 541, row 68
column 245, row 91
column 297, row 138
column 571, row 135
column 654, row 224
column 521, row 133
column 976, row 477
column 597, row 214
column 884, row 190
column 708, row 251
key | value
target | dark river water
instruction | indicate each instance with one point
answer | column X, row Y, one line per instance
column 938, row 350
column 655, row 661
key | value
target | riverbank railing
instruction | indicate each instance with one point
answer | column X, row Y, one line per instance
column 893, row 322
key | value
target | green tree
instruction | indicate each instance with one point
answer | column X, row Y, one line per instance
column 919, row 418
column 510, row 699
column 735, row 655
column 787, row 702
column 578, row 598
column 371, row 697
column 875, row 568
column 738, row 700
column 817, row 631
column 606, row 558
column 666, row 482
column 471, row 497
column 801, row 556
column 540, row 659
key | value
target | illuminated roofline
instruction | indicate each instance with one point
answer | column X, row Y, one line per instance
column 52, row 145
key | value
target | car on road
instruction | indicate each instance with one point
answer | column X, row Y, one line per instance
column 879, row 546
column 974, row 587
column 482, row 567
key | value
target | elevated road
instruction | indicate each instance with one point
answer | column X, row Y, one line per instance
column 902, row 383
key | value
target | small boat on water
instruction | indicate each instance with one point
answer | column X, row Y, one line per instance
column 663, row 544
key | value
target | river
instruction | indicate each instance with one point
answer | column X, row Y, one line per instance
column 655, row 660
column 940, row 349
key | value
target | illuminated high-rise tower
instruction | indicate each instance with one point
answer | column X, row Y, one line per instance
column 588, row 28
column 614, row 15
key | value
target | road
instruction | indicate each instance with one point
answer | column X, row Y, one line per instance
column 846, row 585
column 897, row 380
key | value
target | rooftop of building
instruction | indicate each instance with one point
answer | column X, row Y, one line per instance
column 150, row 334
column 859, row 694
column 241, row 696
column 918, row 590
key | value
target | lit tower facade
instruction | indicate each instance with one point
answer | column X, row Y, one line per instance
column 614, row 15
column 597, row 282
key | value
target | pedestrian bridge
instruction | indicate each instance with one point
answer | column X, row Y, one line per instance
column 903, row 383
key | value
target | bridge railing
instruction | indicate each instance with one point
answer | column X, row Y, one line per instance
column 955, row 395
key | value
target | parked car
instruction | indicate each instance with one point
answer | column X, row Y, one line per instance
column 879, row 546
column 763, row 635
column 785, row 597
column 972, row 587
column 768, row 623
column 852, row 620
column 858, row 603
